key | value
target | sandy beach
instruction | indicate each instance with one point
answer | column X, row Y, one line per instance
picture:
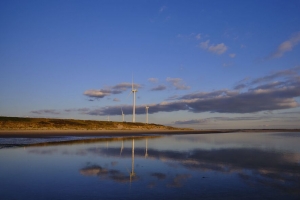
column 88, row 133
column 117, row 133
column 82, row 133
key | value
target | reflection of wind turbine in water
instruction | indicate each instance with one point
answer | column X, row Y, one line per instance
column 132, row 174
column 146, row 153
column 122, row 147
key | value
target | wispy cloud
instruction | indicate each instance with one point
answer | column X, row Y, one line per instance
column 178, row 83
column 192, row 36
column 97, row 93
column 204, row 45
column 266, row 96
column 198, row 36
column 193, row 121
column 240, row 86
column 208, row 120
column 280, row 74
column 153, row 80
column 46, row 111
column 116, row 89
column 275, row 91
column 216, row 49
column 285, row 46
column 232, row 55
column 80, row 110
column 227, row 64
column 275, row 77
column 159, row 88
column 248, row 102
column 161, row 9
column 124, row 86
column 116, row 99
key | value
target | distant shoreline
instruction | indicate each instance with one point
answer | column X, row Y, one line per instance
column 116, row 133
column 14, row 127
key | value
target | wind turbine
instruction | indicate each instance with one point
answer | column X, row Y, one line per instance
column 147, row 107
column 133, row 109
column 122, row 115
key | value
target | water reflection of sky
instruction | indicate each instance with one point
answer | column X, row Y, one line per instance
column 230, row 166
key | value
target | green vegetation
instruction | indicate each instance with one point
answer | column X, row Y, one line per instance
column 19, row 123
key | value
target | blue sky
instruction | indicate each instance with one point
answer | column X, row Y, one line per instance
column 198, row 64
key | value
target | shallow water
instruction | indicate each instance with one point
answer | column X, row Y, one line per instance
column 210, row 166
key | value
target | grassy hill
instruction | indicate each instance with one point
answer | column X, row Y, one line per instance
column 19, row 123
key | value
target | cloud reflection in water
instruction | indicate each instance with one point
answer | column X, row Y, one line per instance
column 254, row 166
column 114, row 175
column 280, row 171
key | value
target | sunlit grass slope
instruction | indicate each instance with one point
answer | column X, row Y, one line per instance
column 19, row 123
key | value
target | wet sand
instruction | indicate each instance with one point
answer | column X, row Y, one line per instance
column 117, row 133
column 82, row 133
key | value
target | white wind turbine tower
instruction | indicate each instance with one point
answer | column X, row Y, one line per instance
column 122, row 115
column 133, row 109
column 147, row 107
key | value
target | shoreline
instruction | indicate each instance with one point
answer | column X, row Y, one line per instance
column 115, row 133
column 82, row 133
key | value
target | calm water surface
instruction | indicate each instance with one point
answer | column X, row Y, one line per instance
column 211, row 166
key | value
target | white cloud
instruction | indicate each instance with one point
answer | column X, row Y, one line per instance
column 276, row 91
column 204, row 45
column 216, row 49
column 286, row 46
column 97, row 93
column 116, row 99
column 178, row 83
column 162, row 8
column 228, row 64
column 198, row 36
column 124, row 86
column 192, row 36
column 193, row 121
column 153, row 80
column 116, row 89
column 46, row 111
column 208, row 120
column 159, row 88
column 180, row 36
column 232, row 55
